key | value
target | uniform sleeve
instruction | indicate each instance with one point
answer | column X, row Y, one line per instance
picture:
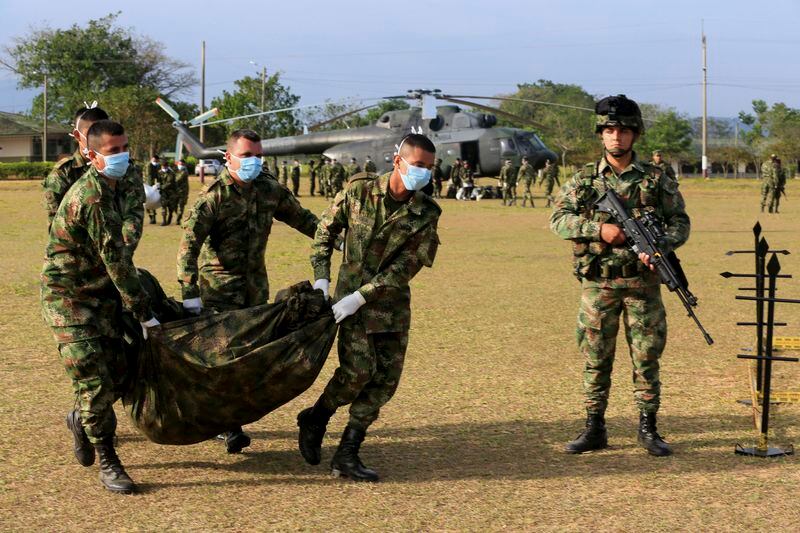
column 106, row 235
column 567, row 221
column 295, row 215
column 419, row 251
column 133, row 215
column 54, row 191
column 195, row 232
column 676, row 221
column 331, row 224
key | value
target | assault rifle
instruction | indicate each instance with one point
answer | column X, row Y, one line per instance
column 645, row 234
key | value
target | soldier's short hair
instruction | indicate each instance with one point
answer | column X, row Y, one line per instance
column 417, row 140
column 89, row 114
column 103, row 127
column 250, row 135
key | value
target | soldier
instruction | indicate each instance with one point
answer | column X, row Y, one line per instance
column 436, row 177
column 181, row 189
column 455, row 177
column 312, row 176
column 88, row 275
column 778, row 188
column 324, row 177
column 508, row 183
column 353, row 168
column 337, row 177
column 152, row 180
column 168, row 189
column 369, row 165
column 276, row 171
column 614, row 280
column 296, row 177
column 390, row 234
column 283, row 177
column 467, row 181
column 526, row 176
column 549, row 180
column 663, row 165
column 769, row 180
column 221, row 256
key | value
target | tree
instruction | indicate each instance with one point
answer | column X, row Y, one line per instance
column 246, row 100
column 569, row 131
column 667, row 131
column 82, row 63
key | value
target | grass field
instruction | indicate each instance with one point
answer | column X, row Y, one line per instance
column 490, row 393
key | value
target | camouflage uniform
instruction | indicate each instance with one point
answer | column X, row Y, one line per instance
column 226, row 235
column 778, row 189
column 312, row 176
column 337, row 178
column 283, row 177
column 666, row 168
column 369, row 166
column 550, row 180
column 296, row 179
column 181, row 192
column 527, row 176
column 386, row 244
column 352, row 169
column 508, row 183
column 169, row 194
column 130, row 187
column 88, row 277
column 436, row 178
column 614, row 281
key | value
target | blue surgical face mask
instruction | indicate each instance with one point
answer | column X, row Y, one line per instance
column 116, row 165
column 416, row 178
column 249, row 168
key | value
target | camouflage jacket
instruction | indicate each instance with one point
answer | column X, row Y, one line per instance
column 382, row 252
column 129, row 188
column 770, row 173
column 166, row 177
column 455, row 173
column 436, row 174
column 227, row 233
column 369, row 166
column 550, row 175
column 526, row 174
column 641, row 186
column 88, row 270
column 352, row 169
column 666, row 168
column 182, row 185
column 337, row 174
column 295, row 172
column 152, row 173
column 508, row 175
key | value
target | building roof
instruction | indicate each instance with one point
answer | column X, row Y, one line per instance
column 14, row 124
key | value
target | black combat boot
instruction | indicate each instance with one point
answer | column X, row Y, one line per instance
column 649, row 437
column 84, row 451
column 236, row 440
column 164, row 219
column 312, row 423
column 112, row 473
column 594, row 437
column 169, row 218
column 345, row 462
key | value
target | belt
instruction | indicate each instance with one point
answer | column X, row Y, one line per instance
column 631, row 270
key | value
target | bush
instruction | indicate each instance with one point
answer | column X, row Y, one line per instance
column 25, row 170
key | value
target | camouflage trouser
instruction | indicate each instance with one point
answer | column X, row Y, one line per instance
column 766, row 193
column 527, row 195
column 509, row 194
column 548, row 190
column 645, row 331
column 97, row 369
column 369, row 372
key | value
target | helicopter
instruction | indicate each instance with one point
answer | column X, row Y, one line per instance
column 471, row 136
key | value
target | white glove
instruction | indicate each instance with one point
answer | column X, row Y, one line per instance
column 324, row 286
column 149, row 324
column 193, row 305
column 347, row 306
column 341, row 246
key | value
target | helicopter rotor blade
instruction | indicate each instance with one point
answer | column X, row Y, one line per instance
column 510, row 116
column 315, row 127
column 524, row 100
column 168, row 109
column 178, row 147
column 196, row 121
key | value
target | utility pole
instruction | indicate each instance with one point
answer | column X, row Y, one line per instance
column 705, row 104
column 44, row 125
column 263, row 87
column 202, row 101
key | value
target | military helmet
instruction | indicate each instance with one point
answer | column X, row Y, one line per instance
column 618, row 110
column 656, row 152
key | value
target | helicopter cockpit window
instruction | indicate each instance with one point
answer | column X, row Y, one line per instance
column 436, row 123
column 507, row 146
column 524, row 144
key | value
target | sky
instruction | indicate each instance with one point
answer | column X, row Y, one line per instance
column 650, row 51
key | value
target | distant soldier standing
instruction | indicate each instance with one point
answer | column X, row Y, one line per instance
column 283, row 177
column 390, row 234
column 87, row 278
column 508, row 182
column 615, row 282
column 312, row 176
column 769, row 172
column 663, row 165
column 527, row 177
column 221, row 255
column 152, row 180
column 324, row 177
column 169, row 199
column 353, row 168
column 338, row 177
column 778, row 188
column 436, row 176
column 296, row 177
column 369, row 166
column 455, row 175
column 550, row 180
column 181, row 189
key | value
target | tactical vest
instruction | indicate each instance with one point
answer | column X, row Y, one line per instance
column 597, row 259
